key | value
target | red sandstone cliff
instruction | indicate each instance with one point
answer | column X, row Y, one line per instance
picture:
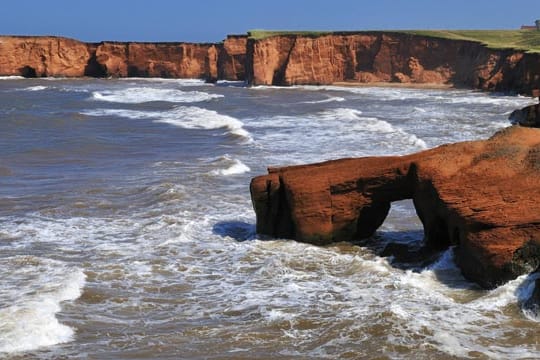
column 232, row 58
column 168, row 60
column 366, row 57
column 480, row 196
column 43, row 56
column 56, row 57
column 370, row 57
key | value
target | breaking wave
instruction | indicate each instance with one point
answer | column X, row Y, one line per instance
column 187, row 117
column 28, row 321
column 327, row 100
column 357, row 122
column 231, row 167
column 137, row 95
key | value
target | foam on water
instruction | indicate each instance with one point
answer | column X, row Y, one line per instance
column 179, row 82
column 187, row 117
column 340, row 132
column 231, row 166
column 32, row 292
column 134, row 95
column 14, row 77
column 35, row 88
column 174, row 265
column 327, row 100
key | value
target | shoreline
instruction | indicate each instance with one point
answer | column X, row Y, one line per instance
column 382, row 84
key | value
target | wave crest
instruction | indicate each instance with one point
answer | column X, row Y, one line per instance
column 137, row 95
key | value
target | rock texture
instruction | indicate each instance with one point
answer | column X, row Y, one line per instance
column 369, row 57
column 57, row 57
column 168, row 60
column 43, row 56
column 480, row 196
column 364, row 57
column 232, row 58
column 528, row 116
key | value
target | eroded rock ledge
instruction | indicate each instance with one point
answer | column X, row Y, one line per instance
column 480, row 196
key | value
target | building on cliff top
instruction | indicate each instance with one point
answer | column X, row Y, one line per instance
column 530, row 27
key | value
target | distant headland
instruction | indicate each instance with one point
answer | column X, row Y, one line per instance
column 489, row 60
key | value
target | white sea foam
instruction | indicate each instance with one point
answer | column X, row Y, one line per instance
column 135, row 95
column 14, row 77
column 179, row 82
column 327, row 100
column 33, row 290
column 232, row 167
column 35, row 88
column 373, row 124
column 177, row 252
column 187, row 117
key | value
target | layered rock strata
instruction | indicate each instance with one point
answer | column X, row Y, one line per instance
column 480, row 196
column 371, row 57
column 61, row 57
column 291, row 59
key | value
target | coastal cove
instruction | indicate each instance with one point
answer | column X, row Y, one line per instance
column 128, row 230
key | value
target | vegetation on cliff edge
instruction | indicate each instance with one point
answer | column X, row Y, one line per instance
column 526, row 40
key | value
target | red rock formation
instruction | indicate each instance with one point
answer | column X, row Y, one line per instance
column 367, row 57
column 55, row 56
column 42, row 56
column 384, row 57
column 168, row 60
column 481, row 196
column 232, row 57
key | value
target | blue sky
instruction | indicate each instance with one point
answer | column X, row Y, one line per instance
column 212, row 20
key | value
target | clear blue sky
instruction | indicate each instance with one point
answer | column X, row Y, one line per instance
column 212, row 20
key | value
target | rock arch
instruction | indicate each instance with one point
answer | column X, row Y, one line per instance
column 481, row 197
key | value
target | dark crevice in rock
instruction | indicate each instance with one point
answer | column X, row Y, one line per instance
column 28, row 72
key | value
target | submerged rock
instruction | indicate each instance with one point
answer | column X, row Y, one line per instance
column 480, row 196
column 529, row 116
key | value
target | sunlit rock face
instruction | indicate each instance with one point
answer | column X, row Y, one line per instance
column 480, row 196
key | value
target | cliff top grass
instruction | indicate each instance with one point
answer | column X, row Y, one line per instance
column 526, row 40
column 263, row 34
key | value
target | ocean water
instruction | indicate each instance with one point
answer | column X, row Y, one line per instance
column 127, row 230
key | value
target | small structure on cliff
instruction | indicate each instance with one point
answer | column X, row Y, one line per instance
column 479, row 196
column 536, row 26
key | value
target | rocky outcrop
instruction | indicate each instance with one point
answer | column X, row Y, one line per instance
column 232, row 58
column 369, row 57
column 43, row 56
column 167, row 60
column 480, row 196
column 58, row 57
column 528, row 116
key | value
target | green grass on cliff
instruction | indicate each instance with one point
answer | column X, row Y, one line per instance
column 527, row 40
column 263, row 34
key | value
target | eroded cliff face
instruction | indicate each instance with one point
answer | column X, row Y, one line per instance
column 56, row 57
column 480, row 196
column 232, row 58
column 365, row 57
column 43, row 56
column 167, row 60
column 371, row 57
